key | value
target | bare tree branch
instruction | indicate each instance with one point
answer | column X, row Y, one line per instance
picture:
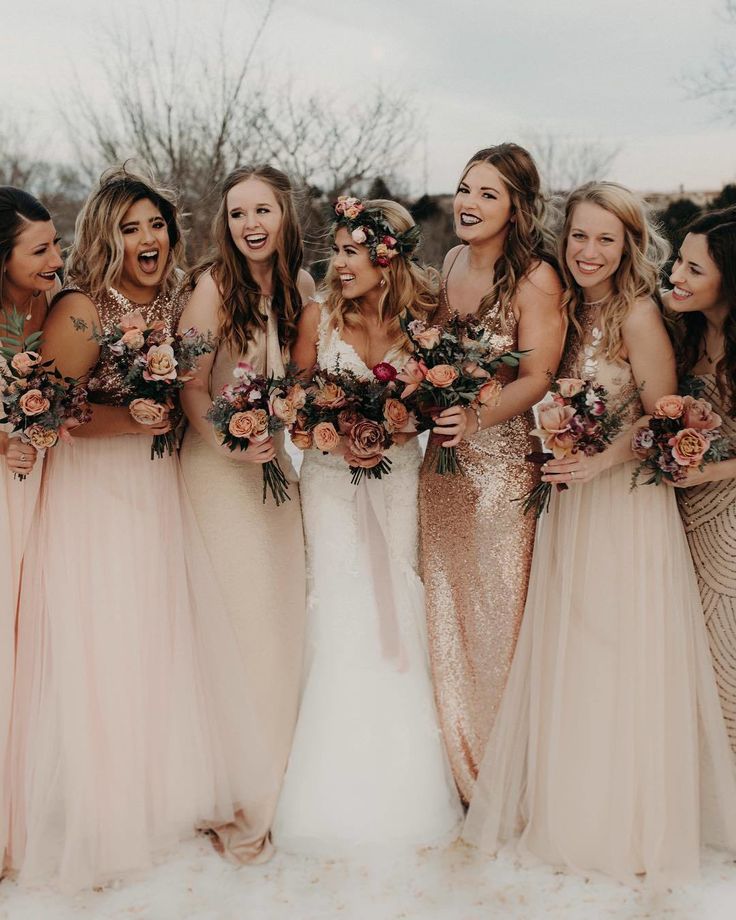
column 565, row 162
column 717, row 83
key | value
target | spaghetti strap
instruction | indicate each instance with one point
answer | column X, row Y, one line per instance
column 452, row 265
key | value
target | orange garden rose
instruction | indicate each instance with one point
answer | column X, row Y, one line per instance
column 160, row 363
column 41, row 437
column 689, row 446
column 297, row 396
column 669, row 407
column 301, row 439
column 324, row 437
column 442, row 375
column 33, row 402
column 148, row 412
column 396, row 414
column 490, row 393
column 330, row 396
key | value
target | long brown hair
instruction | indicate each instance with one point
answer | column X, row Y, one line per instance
column 637, row 276
column 719, row 229
column 408, row 288
column 96, row 257
column 17, row 210
column 528, row 241
column 241, row 296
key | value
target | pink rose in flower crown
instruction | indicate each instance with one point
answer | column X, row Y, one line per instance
column 33, row 402
column 385, row 372
column 324, row 437
column 350, row 207
column 389, row 241
column 490, row 394
column 428, row 338
column 148, row 412
column 442, row 375
column 699, row 414
column 330, row 396
column 160, row 363
column 412, row 374
column 669, row 407
column 570, row 386
column 24, row 362
column 689, row 447
column 359, row 236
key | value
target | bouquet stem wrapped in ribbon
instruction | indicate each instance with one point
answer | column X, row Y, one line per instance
column 451, row 365
column 36, row 398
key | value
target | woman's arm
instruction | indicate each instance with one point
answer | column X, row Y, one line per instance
column 203, row 313
column 76, row 354
column 306, row 286
column 542, row 328
column 304, row 350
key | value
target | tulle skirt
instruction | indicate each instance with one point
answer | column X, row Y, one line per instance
column 609, row 752
column 130, row 724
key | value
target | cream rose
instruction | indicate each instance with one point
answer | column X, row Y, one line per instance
column 688, row 447
column 284, row 410
column 490, row 393
column 24, row 362
column 160, row 363
column 428, row 338
column 554, row 430
column 33, row 402
column 324, row 437
column 570, row 386
column 148, row 412
column 41, row 437
column 133, row 339
column 442, row 375
column 669, row 407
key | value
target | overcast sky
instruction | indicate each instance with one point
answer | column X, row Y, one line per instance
column 482, row 71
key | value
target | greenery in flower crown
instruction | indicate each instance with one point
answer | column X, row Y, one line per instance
column 370, row 229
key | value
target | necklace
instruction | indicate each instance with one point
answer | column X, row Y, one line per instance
column 596, row 303
column 28, row 305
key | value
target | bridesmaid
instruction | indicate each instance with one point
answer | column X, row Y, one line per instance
column 475, row 543
column 128, row 706
column 30, row 256
column 250, row 293
column 610, row 735
column 704, row 294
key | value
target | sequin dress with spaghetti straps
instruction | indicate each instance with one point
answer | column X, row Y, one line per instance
column 609, row 749
column 709, row 515
column 475, row 554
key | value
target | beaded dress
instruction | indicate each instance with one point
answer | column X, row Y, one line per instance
column 475, row 554
column 709, row 514
column 129, row 717
column 609, row 746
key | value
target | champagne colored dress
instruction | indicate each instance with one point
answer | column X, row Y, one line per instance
column 130, row 719
column 257, row 553
column 475, row 550
column 609, row 748
column 709, row 515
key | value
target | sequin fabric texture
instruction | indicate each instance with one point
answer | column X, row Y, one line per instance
column 105, row 381
column 475, row 553
column 709, row 514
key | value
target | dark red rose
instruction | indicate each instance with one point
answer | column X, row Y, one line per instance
column 385, row 372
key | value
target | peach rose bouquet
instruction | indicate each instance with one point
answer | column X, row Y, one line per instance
column 683, row 433
column 252, row 409
column 37, row 402
column 451, row 364
column 354, row 418
column 573, row 418
column 155, row 365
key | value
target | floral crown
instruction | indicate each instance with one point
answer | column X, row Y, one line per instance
column 368, row 228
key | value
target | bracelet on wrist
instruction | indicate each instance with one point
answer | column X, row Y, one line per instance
column 478, row 420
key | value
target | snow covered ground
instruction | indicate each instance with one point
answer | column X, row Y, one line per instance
column 453, row 884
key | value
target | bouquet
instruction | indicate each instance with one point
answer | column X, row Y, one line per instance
column 154, row 365
column 573, row 418
column 36, row 398
column 683, row 434
column 451, row 365
column 250, row 410
column 361, row 416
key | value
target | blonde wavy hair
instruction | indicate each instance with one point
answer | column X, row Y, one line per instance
column 637, row 276
column 410, row 287
column 529, row 240
column 96, row 256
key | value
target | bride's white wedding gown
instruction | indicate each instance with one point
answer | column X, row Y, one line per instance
column 368, row 764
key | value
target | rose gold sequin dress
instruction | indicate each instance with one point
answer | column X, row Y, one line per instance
column 130, row 717
column 709, row 514
column 476, row 550
column 609, row 745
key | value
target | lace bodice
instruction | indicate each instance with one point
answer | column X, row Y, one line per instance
column 584, row 358
column 105, row 380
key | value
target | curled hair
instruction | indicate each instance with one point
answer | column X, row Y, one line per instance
column 240, row 293
column 637, row 276
column 96, row 257
column 17, row 210
column 719, row 230
column 528, row 241
column 409, row 286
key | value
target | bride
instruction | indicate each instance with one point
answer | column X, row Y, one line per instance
column 367, row 765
